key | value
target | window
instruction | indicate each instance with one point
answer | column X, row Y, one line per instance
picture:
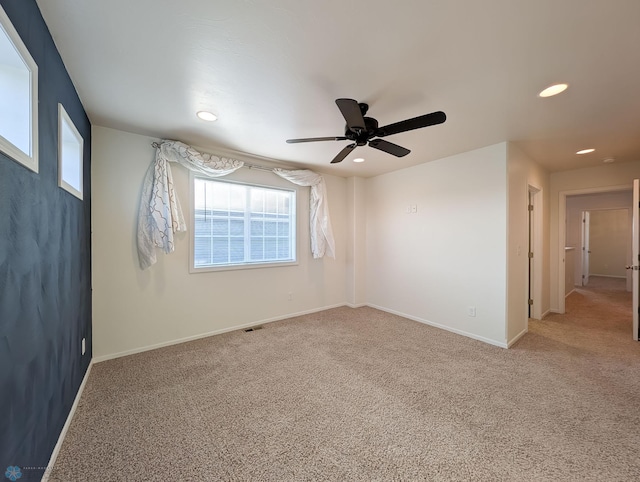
column 242, row 225
column 19, row 88
column 70, row 145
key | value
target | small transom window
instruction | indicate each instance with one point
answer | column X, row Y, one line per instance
column 19, row 88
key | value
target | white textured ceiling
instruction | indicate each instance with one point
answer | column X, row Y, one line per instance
column 271, row 70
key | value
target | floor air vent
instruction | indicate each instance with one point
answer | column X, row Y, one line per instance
column 253, row 328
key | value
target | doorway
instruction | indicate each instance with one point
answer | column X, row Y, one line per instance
column 606, row 245
column 572, row 208
column 568, row 222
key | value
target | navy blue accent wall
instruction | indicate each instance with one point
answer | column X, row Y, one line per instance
column 45, row 269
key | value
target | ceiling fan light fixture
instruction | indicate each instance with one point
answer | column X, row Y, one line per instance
column 358, row 159
column 585, row 151
column 207, row 116
column 552, row 90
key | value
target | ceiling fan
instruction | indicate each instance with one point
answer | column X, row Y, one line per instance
column 364, row 130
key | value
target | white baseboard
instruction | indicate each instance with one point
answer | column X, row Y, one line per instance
column 607, row 276
column 65, row 428
column 443, row 327
column 565, row 296
column 211, row 333
column 517, row 337
column 357, row 305
column 155, row 346
column 545, row 314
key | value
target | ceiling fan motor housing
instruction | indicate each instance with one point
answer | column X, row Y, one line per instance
column 362, row 136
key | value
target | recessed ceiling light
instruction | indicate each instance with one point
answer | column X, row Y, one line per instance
column 609, row 160
column 552, row 90
column 358, row 159
column 585, row 151
column 207, row 116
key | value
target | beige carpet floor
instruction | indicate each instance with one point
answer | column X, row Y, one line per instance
column 358, row 394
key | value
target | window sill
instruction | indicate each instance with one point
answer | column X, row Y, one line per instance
column 234, row 267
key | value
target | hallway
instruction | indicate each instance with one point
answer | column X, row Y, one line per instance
column 598, row 319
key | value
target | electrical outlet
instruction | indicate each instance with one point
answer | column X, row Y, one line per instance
column 84, row 345
column 471, row 311
column 414, row 208
column 290, row 297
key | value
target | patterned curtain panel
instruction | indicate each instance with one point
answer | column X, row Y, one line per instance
column 160, row 215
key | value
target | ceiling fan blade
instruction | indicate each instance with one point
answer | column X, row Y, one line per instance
column 411, row 124
column 352, row 114
column 344, row 153
column 389, row 147
column 314, row 139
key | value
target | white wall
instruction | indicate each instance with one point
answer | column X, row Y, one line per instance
column 576, row 204
column 523, row 174
column 433, row 264
column 134, row 309
column 579, row 181
column 609, row 236
column 356, row 241
column 569, row 262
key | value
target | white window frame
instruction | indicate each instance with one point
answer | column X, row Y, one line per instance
column 27, row 159
column 63, row 157
column 230, row 267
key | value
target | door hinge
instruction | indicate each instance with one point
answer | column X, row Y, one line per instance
column 530, row 255
column 530, row 207
column 582, row 276
column 530, row 301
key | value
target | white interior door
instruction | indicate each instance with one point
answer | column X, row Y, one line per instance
column 585, row 248
column 635, row 255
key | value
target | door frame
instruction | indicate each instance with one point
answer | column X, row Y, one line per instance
column 562, row 229
column 635, row 255
column 534, row 278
